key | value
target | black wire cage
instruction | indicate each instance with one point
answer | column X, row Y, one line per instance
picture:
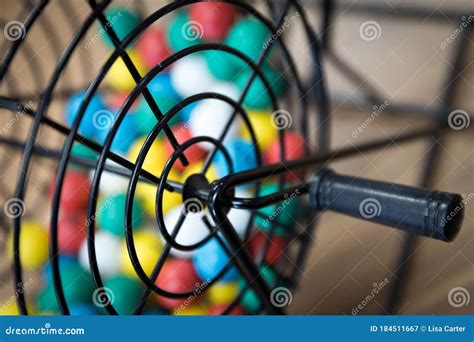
column 306, row 179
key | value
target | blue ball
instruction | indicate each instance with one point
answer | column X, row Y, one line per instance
column 64, row 261
column 126, row 134
column 83, row 310
column 242, row 155
column 211, row 259
column 87, row 126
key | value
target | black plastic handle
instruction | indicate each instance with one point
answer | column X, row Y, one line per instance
column 434, row 214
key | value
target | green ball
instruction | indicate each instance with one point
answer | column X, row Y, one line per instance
column 122, row 21
column 124, row 294
column 182, row 33
column 111, row 214
column 249, row 36
column 257, row 96
column 84, row 152
column 250, row 300
column 223, row 65
column 147, row 120
column 283, row 215
column 77, row 284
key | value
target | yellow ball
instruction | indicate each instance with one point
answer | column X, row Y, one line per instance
column 211, row 174
column 264, row 130
column 148, row 246
column 155, row 159
column 120, row 78
column 222, row 293
column 146, row 194
column 33, row 244
column 190, row 310
column 9, row 308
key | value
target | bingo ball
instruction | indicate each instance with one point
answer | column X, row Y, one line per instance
column 122, row 21
column 106, row 248
column 33, row 244
column 220, row 309
column 71, row 232
column 120, row 78
column 250, row 300
column 191, row 76
column 223, row 65
column 125, row 135
column 264, row 128
column 182, row 33
column 193, row 153
column 222, row 293
column 153, row 46
column 215, row 19
column 112, row 214
column 258, row 96
column 193, row 230
column 146, row 193
column 64, row 261
column 82, row 152
column 242, row 154
column 276, row 247
column 77, row 284
column 210, row 259
column 74, row 192
column 148, row 247
column 123, row 293
column 94, row 108
column 190, row 310
column 111, row 183
column 294, row 149
column 9, row 308
column 240, row 219
column 155, row 159
column 218, row 113
column 176, row 276
column 283, row 215
column 83, row 310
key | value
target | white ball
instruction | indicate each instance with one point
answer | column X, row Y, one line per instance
column 209, row 118
column 227, row 89
column 192, row 231
column 240, row 218
column 111, row 183
column 190, row 76
column 107, row 249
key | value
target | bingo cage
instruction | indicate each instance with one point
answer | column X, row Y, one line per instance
column 184, row 159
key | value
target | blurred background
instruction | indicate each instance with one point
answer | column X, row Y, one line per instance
column 410, row 58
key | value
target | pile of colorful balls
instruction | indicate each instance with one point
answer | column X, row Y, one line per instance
column 183, row 270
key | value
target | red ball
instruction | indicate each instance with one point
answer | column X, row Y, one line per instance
column 194, row 153
column 74, row 193
column 294, row 149
column 275, row 249
column 176, row 276
column 215, row 18
column 219, row 309
column 71, row 232
column 153, row 46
